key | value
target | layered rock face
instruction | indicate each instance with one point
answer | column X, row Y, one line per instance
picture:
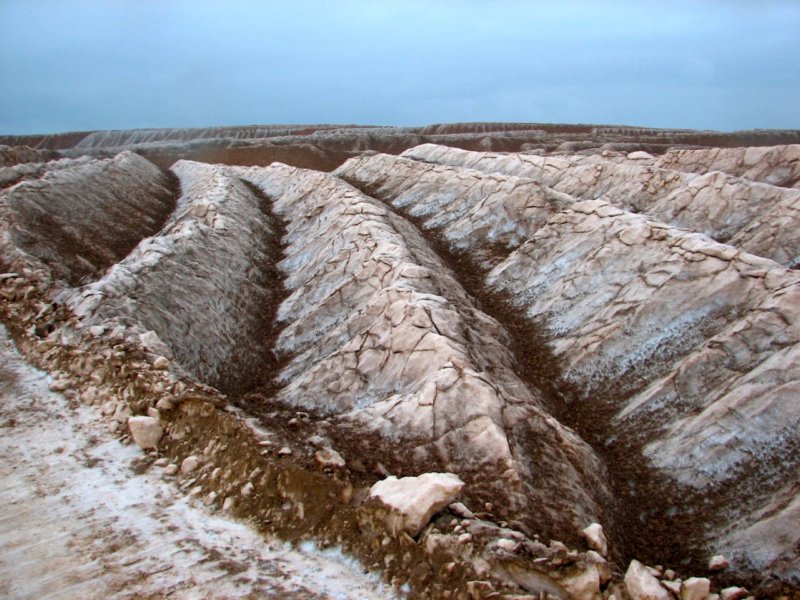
column 581, row 337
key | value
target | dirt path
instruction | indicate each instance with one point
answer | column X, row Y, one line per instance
column 80, row 521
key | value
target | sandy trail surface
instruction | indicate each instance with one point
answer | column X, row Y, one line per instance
column 84, row 516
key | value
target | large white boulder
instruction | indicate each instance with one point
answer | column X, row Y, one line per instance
column 145, row 431
column 414, row 500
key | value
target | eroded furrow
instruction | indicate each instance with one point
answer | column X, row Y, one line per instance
column 674, row 352
column 205, row 289
column 385, row 344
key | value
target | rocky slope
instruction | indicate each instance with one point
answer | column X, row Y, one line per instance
column 582, row 336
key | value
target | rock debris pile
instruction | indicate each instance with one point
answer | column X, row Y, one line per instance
column 484, row 374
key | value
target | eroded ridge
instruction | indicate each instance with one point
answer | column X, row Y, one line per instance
column 671, row 346
column 776, row 165
column 10, row 175
column 385, row 343
column 204, row 284
column 82, row 218
column 759, row 218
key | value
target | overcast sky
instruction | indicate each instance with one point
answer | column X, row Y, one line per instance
column 116, row 64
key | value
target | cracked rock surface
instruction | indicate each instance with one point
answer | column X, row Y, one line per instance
column 382, row 337
column 201, row 283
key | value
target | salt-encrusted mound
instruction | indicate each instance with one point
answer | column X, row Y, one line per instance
column 203, row 284
column 672, row 345
column 383, row 339
column 776, row 165
column 82, row 217
column 435, row 312
column 759, row 218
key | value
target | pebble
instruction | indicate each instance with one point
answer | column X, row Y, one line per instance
column 161, row 363
column 695, row 588
column 641, row 585
column 229, row 503
column 189, row 464
column 673, row 586
column 285, row 451
column 247, row 489
column 145, row 431
column 60, row 385
column 596, row 538
column 733, row 593
column 507, row 545
column 165, row 404
column 718, row 563
column 464, row 538
column 327, row 457
column 171, row 469
column 462, row 511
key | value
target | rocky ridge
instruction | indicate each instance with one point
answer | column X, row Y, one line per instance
column 630, row 332
column 757, row 217
column 557, row 329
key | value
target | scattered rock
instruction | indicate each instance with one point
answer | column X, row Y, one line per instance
column 165, row 404
column 718, row 563
column 507, row 545
column 673, row 586
column 161, row 363
column 695, row 588
column 60, row 385
column 171, row 469
column 97, row 330
column 462, row 511
column 596, row 538
column 328, row 457
column 641, row 585
column 190, row 464
column 733, row 593
column 583, row 584
column 414, row 500
column 145, row 431
column 285, row 451
column 247, row 489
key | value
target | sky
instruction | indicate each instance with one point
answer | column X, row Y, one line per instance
column 75, row 65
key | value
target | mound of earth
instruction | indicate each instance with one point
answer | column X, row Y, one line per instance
column 595, row 330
